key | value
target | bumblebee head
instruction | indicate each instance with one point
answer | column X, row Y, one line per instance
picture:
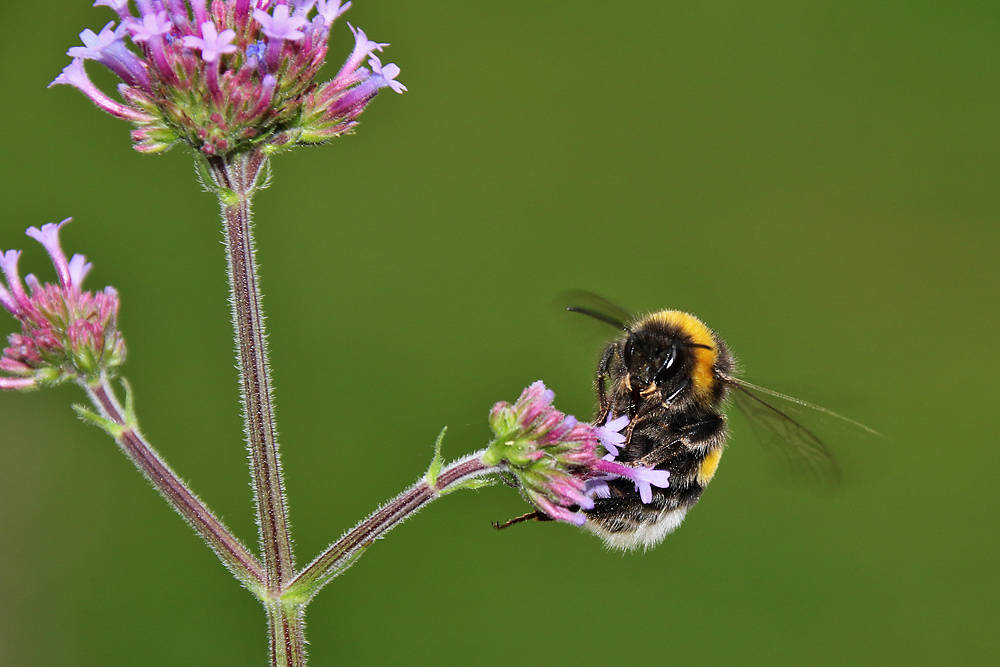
column 672, row 357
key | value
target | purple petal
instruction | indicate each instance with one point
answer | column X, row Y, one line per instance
column 645, row 493
column 387, row 74
column 211, row 43
column 331, row 10
column 48, row 236
column 75, row 75
column 597, row 488
column 16, row 295
column 116, row 5
column 560, row 513
column 281, row 25
column 79, row 267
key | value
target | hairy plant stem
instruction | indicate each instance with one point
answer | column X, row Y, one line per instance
column 345, row 551
column 286, row 632
column 231, row 552
column 236, row 179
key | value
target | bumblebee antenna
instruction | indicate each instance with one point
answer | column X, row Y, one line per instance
column 603, row 317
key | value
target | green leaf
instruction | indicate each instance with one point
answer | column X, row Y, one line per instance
column 437, row 463
column 111, row 428
column 130, row 419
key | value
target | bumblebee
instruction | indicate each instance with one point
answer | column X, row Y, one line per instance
column 671, row 375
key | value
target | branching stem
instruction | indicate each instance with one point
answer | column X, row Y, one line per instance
column 235, row 180
column 341, row 554
column 231, row 552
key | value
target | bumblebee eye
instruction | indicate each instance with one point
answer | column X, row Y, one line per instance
column 670, row 366
column 627, row 351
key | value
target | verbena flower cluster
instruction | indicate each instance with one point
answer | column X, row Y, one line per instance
column 560, row 462
column 223, row 76
column 66, row 333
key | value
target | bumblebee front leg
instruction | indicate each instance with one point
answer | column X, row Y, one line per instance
column 603, row 371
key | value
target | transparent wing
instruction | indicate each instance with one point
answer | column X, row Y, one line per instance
column 776, row 419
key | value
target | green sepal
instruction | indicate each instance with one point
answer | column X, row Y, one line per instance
column 131, row 421
column 493, row 456
column 437, row 463
column 471, row 483
column 226, row 196
column 108, row 426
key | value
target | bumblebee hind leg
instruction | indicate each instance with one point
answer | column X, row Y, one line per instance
column 530, row 516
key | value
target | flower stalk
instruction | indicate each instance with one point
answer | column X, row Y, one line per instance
column 465, row 473
column 120, row 423
column 236, row 179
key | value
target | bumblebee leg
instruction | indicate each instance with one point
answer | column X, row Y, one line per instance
column 697, row 436
column 603, row 371
column 509, row 479
column 530, row 516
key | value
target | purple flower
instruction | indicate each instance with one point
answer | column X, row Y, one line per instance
column 116, row 5
column 48, row 236
column 177, row 87
column 212, row 43
column 555, row 457
column 302, row 6
column 14, row 298
column 280, row 25
column 331, row 10
column 387, row 74
column 120, row 6
column 66, row 333
column 610, row 434
column 108, row 49
column 362, row 48
column 548, row 451
column 75, row 75
column 94, row 45
column 151, row 26
column 643, row 478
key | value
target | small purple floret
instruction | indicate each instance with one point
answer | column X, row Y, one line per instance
column 386, row 73
column 116, row 5
column 79, row 267
column 48, row 236
column 281, row 25
column 151, row 26
column 643, row 478
column 93, row 44
column 212, row 43
column 610, row 434
column 331, row 10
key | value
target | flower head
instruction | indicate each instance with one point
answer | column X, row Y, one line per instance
column 557, row 459
column 66, row 333
column 228, row 76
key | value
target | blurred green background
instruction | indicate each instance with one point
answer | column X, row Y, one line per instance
column 816, row 180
